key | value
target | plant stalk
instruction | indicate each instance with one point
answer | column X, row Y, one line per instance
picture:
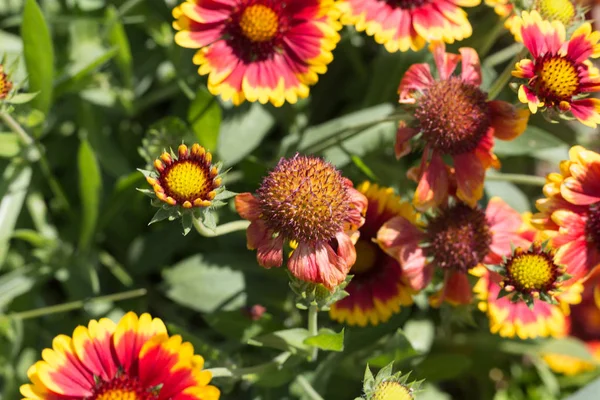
column 224, row 229
column 518, row 179
column 505, row 76
column 313, row 327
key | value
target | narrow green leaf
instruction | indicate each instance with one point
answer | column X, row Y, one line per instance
column 15, row 182
column 204, row 115
column 21, row 98
column 13, row 284
column 39, row 55
column 118, row 39
column 90, row 188
column 327, row 339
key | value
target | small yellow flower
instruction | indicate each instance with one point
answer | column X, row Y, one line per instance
column 5, row 85
column 389, row 386
column 392, row 391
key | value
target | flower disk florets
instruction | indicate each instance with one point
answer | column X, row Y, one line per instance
column 5, row 84
column 532, row 273
column 453, row 116
column 392, row 391
column 557, row 10
column 459, row 237
column 190, row 180
column 304, row 199
column 122, row 388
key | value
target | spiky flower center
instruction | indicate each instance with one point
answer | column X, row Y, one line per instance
column 592, row 226
column 122, row 388
column 453, row 116
column 259, row 23
column 531, row 272
column 5, row 84
column 366, row 256
column 408, row 4
column 558, row 79
column 459, row 237
column 189, row 180
column 557, row 10
column 304, row 199
column 392, row 391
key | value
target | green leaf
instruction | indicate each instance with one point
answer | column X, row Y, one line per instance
column 13, row 284
column 9, row 145
column 533, row 139
column 76, row 75
column 292, row 340
column 327, row 339
column 21, row 98
column 566, row 346
column 443, row 366
column 118, row 38
column 242, row 133
column 209, row 219
column 13, row 188
column 205, row 285
column 363, row 167
column 509, row 192
column 90, row 188
column 39, row 55
column 162, row 214
column 204, row 115
column 590, row 392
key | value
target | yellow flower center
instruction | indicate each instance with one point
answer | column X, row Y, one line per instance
column 259, row 23
column 187, row 180
column 532, row 271
column 5, row 84
column 559, row 78
column 118, row 394
column 392, row 391
column 366, row 256
column 557, row 10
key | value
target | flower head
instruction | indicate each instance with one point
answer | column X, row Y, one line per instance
column 134, row 359
column 570, row 213
column 408, row 24
column 456, row 120
column 532, row 274
column 389, row 386
column 559, row 76
column 378, row 288
column 5, row 84
column 259, row 50
column 453, row 242
column 307, row 202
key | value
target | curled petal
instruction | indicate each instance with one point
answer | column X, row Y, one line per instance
column 416, row 79
column 403, row 136
column 346, row 249
column 508, row 121
column 445, row 62
column 318, row 263
column 456, row 290
column 471, row 67
column 470, row 175
column 433, row 185
column 247, row 206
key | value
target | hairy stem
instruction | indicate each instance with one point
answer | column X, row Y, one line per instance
column 224, row 229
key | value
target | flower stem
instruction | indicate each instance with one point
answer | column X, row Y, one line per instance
column 313, row 327
column 308, row 389
column 505, row 76
column 518, row 178
column 27, row 140
column 74, row 305
column 224, row 229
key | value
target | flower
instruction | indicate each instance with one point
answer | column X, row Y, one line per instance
column 408, row 24
column 570, row 213
column 134, row 359
column 307, row 202
column 5, row 84
column 560, row 76
column 189, row 180
column 259, row 50
column 389, row 386
column 583, row 324
column 378, row 288
column 454, row 241
column 455, row 119
column 532, row 274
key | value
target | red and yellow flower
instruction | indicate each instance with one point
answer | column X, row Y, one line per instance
column 583, row 324
column 560, row 75
column 134, row 359
column 259, row 50
column 378, row 288
column 409, row 24
column 455, row 241
column 5, row 84
column 307, row 203
column 455, row 119
column 570, row 213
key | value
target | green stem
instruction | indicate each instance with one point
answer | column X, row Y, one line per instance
column 74, row 305
column 308, row 389
column 518, row 179
column 505, row 76
column 224, row 229
column 503, row 55
column 43, row 161
column 313, row 327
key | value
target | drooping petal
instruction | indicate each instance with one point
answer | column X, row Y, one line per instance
column 318, row 263
column 471, row 67
column 417, row 79
column 470, row 175
column 247, row 206
column 433, row 185
column 508, row 121
column 403, row 136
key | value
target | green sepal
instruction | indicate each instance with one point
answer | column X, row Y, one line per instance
column 503, row 293
column 496, row 268
column 224, row 194
column 186, row 222
column 164, row 213
column 147, row 192
column 209, row 220
column 147, row 174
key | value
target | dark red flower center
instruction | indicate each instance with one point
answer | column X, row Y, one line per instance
column 367, row 254
column 459, row 237
column 453, row 116
column 557, row 79
column 592, row 226
column 408, row 4
column 256, row 29
column 304, row 199
column 123, row 387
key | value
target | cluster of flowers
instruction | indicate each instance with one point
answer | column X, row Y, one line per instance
column 527, row 270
